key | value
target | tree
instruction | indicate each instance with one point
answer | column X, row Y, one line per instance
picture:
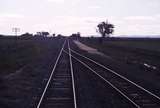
column 43, row 34
column 53, row 34
column 105, row 29
column 76, row 35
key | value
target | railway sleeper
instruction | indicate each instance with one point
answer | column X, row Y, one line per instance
column 59, row 105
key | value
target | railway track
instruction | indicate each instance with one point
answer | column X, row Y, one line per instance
column 59, row 91
column 137, row 95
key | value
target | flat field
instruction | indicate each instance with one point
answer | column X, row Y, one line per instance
column 24, row 63
column 136, row 58
column 128, row 48
column 16, row 53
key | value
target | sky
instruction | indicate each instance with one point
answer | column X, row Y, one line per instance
column 130, row 17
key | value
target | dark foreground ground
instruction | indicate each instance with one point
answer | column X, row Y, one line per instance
column 136, row 58
column 25, row 65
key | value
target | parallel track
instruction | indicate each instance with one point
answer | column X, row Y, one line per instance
column 137, row 95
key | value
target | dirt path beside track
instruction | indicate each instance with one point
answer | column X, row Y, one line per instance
column 87, row 48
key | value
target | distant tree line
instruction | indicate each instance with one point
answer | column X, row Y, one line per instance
column 38, row 34
column 76, row 35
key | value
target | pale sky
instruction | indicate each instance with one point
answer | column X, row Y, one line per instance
column 130, row 17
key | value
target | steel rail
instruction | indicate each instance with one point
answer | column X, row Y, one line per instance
column 137, row 106
column 48, row 82
column 72, row 74
column 157, row 97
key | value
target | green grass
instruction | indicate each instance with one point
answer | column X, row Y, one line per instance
column 15, row 54
column 147, row 45
column 144, row 44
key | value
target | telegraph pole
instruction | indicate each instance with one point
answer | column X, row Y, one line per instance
column 16, row 30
